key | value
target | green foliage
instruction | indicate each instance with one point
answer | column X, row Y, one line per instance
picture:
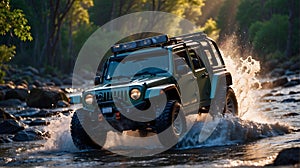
column 6, row 54
column 12, row 22
column 211, row 29
column 271, row 27
column 271, row 35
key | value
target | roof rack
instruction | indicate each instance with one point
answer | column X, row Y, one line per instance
column 134, row 45
column 193, row 36
column 156, row 41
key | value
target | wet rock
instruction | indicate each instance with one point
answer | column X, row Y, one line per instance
column 50, row 83
column 11, row 126
column 280, row 82
column 279, row 94
column 45, row 97
column 57, row 81
column 293, row 82
column 35, row 113
column 289, row 73
column 11, row 103
column 290, row 100
column 28, row 135
column 31, row 112
column 293, row 92
column 288, row 157
column 5, row 139
column 20, row 94
column 67, row 112
column 44, row 113
column 266, row 85
column 268, row 95
column 7, row 86
column 62, row 103
column 5, row 115
column 38, row 83
column 39, row 122
column 32, row 70
column 67, row 81
column 290, row 114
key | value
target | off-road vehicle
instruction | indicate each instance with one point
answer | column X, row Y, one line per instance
column 146, row 83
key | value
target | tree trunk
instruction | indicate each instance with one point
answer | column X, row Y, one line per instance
column 289, row 43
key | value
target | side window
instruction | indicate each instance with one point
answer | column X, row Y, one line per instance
column 196, row 61
column 183, row 55
column 216, row 53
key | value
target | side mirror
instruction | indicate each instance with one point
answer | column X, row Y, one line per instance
column 97, row 80
column 182, row 69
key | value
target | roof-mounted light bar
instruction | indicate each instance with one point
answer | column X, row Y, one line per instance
column 156, row 40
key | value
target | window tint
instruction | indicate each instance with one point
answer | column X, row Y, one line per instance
column 196, row 61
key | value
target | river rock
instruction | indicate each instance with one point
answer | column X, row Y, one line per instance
column 293, row 82
column 289, row 156
column 5, row 139
column 11, row 103
column 11, row 126
column 5, row 115
column 57, row 81
column 45, row 97
column 67, row 81
column 20, row 94
column 28, row 135
column 280, row 82
column 39, row 122
column 290, row 100
column 32, row 70
column 34, row 113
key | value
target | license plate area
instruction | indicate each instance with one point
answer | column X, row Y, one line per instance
column 106, row 110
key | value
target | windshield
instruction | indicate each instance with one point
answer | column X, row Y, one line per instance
column 146, row 63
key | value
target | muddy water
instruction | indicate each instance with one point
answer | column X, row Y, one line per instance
column 254, row 138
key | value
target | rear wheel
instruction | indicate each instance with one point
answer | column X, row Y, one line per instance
column 231, row 105
column 81, row 138
column 171, row 124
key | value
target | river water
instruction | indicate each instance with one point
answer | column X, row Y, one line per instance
column 254, row 138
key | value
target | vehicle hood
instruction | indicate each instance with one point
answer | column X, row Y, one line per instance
column 150, row 81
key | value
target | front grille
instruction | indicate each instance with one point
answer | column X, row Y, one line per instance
column 108, row 95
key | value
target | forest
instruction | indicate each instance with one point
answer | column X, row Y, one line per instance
column 49, row 34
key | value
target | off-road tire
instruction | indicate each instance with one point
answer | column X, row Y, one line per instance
column 166, row 121
column 231, row 104
column 80, row 137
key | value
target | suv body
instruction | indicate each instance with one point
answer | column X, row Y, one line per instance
column 183, row 72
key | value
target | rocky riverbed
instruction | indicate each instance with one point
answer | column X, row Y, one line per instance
column 31, row 102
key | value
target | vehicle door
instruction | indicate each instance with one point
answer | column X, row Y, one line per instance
column 185, row 77
column 203, row 80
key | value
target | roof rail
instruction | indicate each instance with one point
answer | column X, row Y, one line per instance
column 193, row 36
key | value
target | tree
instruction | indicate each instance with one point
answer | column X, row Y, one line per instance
column 13, row 24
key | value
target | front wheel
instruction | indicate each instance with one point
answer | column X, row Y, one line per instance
column 80, row 137
column 231, row 105
column 171, row 124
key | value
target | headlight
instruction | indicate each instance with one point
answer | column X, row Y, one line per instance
column 135, row 94
column 89, row 99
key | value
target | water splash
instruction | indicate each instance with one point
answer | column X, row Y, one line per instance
column 232, row 130
column 60, row 139
column 251, row 124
